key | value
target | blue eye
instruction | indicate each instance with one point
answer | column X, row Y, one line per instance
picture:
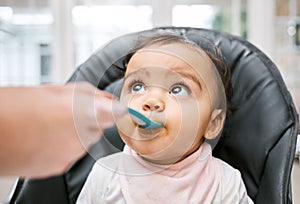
column 179, row 90
column 138, row 87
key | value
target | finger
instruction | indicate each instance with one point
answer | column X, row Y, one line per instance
column 100, row 93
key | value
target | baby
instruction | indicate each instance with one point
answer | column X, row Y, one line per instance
column 175, row 82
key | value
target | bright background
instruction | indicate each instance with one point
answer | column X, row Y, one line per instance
column 43, row 41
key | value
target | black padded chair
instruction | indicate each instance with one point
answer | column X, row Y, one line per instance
column 259, row 137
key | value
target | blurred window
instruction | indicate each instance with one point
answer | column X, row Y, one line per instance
column 202, row 16
column 22, row 31
column 96, row 25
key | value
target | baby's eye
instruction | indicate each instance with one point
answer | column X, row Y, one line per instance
column 179, row 90
column 138, row 87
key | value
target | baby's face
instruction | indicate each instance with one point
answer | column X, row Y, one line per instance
column 168, row 90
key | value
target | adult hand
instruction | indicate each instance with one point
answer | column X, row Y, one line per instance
column 45, row 129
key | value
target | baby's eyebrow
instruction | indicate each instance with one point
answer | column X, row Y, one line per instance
column 182, row 72
column 142, row 72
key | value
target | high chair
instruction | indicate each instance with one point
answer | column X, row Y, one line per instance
column 259, row 137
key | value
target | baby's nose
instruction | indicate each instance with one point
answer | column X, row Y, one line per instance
column 153, row 105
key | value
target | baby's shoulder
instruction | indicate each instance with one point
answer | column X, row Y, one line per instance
column 229, row 174
column 109, row 158
column 107, row 163
column 231, row 188
column 227, row 169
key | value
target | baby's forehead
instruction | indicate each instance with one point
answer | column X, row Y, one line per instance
column 182, row 50
column 174, row 55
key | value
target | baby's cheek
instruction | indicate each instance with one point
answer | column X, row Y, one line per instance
column 173, row 114
column 190, row 116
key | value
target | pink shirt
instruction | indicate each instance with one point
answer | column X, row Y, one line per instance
column 127, row 178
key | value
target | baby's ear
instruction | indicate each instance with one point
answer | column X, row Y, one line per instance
column 215, row 125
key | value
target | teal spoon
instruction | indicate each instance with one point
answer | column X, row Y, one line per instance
column 143, row 121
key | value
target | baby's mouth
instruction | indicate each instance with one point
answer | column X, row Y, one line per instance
column 150, row 134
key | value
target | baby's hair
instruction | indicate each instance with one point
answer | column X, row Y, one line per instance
column 213, row 52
